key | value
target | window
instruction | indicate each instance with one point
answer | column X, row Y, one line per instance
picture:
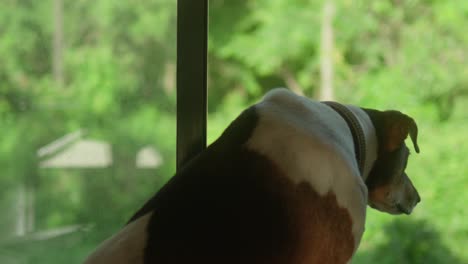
column 87, row 114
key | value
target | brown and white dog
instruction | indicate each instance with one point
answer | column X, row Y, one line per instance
column 281, row 185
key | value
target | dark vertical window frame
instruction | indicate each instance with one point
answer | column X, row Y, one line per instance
column 192, row 49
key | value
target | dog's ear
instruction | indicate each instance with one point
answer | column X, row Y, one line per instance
column 397, row 128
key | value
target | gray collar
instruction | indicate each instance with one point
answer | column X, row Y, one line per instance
column 356, row 131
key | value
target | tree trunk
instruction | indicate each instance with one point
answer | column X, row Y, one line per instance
column 326, row 56
column 21, row 211
column 57, row 56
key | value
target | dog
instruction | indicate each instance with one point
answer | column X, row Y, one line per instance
column 288, row 181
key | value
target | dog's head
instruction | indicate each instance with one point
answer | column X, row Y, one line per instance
column 389, row 187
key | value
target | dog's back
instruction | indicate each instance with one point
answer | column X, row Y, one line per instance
column 274, row 188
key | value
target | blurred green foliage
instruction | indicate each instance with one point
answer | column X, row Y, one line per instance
column 119, row 72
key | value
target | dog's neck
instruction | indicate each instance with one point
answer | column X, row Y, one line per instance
column 356, row 130
column 370, row 137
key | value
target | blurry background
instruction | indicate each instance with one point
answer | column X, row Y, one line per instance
column 87, row 108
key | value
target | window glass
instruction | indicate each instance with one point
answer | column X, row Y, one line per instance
column 87, row 121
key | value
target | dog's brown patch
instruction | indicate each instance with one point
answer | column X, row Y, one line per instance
column 324, row 227
column 379, row 193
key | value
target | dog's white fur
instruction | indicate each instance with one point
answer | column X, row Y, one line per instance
column 311, row 142
column 306, row 139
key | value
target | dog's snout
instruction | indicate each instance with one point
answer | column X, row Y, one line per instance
column 403, row 209
column 414, row 193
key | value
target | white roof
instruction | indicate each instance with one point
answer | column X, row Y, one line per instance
column 83, row 153
column 71, row 151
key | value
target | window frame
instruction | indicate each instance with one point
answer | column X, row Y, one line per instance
column 192, row 49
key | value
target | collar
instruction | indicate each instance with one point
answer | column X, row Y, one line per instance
column 356, row 131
